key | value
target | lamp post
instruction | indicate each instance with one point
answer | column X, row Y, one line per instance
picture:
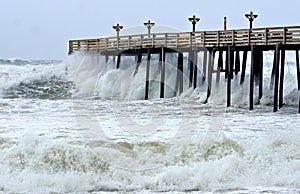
column 251, row 17
column 118, row 28
column 194, row 20
column 149, row 25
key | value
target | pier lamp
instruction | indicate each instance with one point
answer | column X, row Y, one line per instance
column 251, row 17
column 149, row 25
column 194, row 20
column 118, row 28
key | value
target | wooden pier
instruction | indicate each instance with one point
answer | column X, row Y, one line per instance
column 212, row 44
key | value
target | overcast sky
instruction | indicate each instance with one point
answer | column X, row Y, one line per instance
column 40, row 29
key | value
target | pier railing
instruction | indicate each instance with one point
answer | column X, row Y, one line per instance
column 242, row 37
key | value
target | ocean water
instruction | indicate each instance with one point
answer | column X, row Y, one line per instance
column 80, row 125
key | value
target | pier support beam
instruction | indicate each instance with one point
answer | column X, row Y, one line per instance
column 251, row 78
column 138, row 62
column 229, row 64
column 258, row 71
column 106, row 57
column 204, row 64
column 179, row 77
column 211, row 60
column 298, row 76
column 237, row 67
column 220, row 67
column 244, row 63
column 196, row 68
column 276, row 78
column 147, row 74
column 118, row 60
column 191, row 66
column 273, row 70
column 281, row 78
column 162, row 60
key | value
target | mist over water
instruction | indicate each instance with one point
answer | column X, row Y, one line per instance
column 82, row 125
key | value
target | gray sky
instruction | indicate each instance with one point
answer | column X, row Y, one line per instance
column 40, row 29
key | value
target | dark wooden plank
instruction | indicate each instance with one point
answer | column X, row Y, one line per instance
column 244, row 63
column 147, row 74
column 281, row 78
column 277, row 60
column 251, row 106
column 162, row 61
column 298, row 76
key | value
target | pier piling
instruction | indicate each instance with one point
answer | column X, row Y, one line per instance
column 298, row 76
column 118, row 60
column 244, row 63
column 251, row 78
column 281, row 78
column 191, row 66
column 276, row 78
column 162, row 60
column 229, row 65
column 196, row 68
column 147, row 74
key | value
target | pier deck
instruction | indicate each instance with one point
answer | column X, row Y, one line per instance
column 289, row 35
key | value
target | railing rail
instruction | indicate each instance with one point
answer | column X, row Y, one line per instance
column 240, row 37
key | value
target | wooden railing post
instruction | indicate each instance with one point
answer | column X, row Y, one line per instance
column 153, row 41
column 70, row 47
column 218, row 38
column 266, row 35
column 284, row 35
column 129, row 42
column 106, row 42
column 232, row 37
column 166, row 40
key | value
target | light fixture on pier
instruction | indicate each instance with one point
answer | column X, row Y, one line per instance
column 118, row 28
column 251, row 17
column 194, row 20
column 149, row 25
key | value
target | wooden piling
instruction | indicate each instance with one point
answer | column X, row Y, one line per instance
column 138, row 62
column 219, row 68
column 276, row 77
column 195, row 69
column 211, row 59
column 298, row 76
column 237, row 67
column 229, row 70
column 281, row 78
column 251, row 78
column 244, row 63
column 273, row 71
column 261, row 75
column 179, row 77
column 204, row 64
column 106, row 57
column 162, row 60
column 191, row 66
column 118, row 60
column 147, row 74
